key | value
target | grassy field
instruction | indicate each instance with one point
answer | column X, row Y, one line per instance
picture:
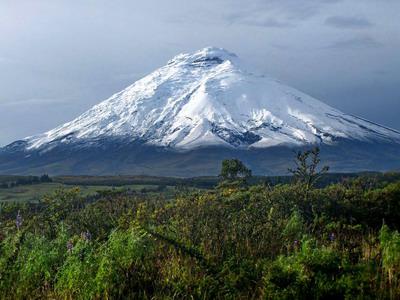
column 34, row 192
column 167, row 186
column 28, row 192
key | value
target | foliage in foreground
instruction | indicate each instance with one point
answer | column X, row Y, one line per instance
column 286, row 242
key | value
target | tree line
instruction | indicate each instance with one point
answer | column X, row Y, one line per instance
column 13, row 181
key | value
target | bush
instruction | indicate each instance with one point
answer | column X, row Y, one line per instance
column 312, row 272
column 236, row 241
column 390, row 245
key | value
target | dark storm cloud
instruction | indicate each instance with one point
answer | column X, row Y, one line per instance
column 348, row 22
column 58, row 58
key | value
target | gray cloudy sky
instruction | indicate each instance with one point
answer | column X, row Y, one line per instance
column 58, row 58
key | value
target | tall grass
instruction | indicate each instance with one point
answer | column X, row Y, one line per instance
column 232, row 242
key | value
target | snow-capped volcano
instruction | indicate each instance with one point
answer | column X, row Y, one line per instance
column 209, row 107
column 208, row 98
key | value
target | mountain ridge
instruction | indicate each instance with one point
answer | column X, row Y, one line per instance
column 207, row 98
column 203, row 106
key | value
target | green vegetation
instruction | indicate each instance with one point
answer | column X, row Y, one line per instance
column 233, row 173
column 35, row 192
column 235, row 241
column 13, row 181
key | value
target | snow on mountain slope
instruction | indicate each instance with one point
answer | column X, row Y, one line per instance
column 207, row 98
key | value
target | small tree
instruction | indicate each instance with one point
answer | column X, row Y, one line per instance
column 45, row 178
column 234, row 171
column 306, row 170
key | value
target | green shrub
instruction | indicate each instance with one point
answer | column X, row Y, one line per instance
column 123, row 264
column 390, row 247
column 38, row 260
column 75, row 278
column 9, row 252
column 233, row 242
column 311, row 272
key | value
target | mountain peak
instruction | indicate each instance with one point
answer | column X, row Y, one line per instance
column 199, row 108
column 205, row 57
column 203, row 98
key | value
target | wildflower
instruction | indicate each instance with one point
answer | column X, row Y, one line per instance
column 296, row 243
column 70, row 246
column 86, row 235
column 18, row 220
column 332, row 237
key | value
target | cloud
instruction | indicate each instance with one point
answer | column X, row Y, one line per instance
column 7, row 60
column 258, row 20
column 34, row 101
column 295, row 9
column 277, row 13
column 356, row 42
column 269, row 22
column 348, row 22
